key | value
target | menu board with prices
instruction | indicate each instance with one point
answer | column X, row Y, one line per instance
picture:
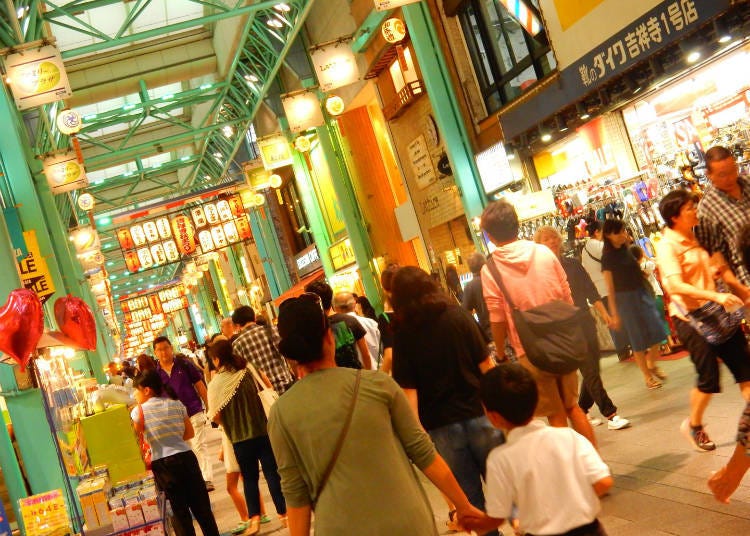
column 167, row 239
column 45, row 514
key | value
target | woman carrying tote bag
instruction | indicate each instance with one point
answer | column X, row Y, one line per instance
column 233, row 402
column 707, row 320
column 345, row 440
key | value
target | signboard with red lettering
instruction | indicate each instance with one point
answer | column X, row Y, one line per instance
column 45, row 514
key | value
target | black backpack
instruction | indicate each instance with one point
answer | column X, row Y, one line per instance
column 550, row 333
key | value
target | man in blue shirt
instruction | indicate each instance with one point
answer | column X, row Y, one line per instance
column 187, row 382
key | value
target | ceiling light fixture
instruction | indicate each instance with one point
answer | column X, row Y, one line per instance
column 693, row 56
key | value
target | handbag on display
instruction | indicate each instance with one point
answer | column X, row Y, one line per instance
column 713, row 322
column 142, row 443
column 551, row 333
column 268, row 395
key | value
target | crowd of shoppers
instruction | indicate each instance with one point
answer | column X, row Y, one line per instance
column 461, row 415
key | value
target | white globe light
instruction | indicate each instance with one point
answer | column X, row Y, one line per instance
column 259, row 199
column 302, row 144
column 335, row 105
column 69, row 122
column 274, row 180
column 86, row 201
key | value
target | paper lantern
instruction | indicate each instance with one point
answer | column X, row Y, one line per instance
column 184, row 234
column 86, row 202
column 274, row 180
column 393, row 30
column 335, row 105
column 302, row 144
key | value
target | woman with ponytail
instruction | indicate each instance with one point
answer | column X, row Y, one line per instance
column 234, row 404
column 345, row 440
column 166, row 426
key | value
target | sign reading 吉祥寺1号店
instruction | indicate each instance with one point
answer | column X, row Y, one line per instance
column 651, row 30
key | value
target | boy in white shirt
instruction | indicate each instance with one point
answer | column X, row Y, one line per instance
column 554, row 476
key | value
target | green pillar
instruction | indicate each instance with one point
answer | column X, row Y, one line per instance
column 445, row 108
column 10, row 466
column 237, row 275
column 223, row 305
column 32, row 430
column 207, row 309
column 353, row 219
column 313, row 212
column 270, row 251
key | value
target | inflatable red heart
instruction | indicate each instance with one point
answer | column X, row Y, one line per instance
column 76, row 321
column 21, row 325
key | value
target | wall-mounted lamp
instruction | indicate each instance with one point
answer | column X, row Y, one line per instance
column 544, row 134
column 335, row 105
column 582, row 112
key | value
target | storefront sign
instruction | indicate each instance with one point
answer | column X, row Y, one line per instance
column 533, row 205
column 303, row 111
column 35, row 274
column 37, row 76
column 65, row 173
column 653, row 26
column 386, row 5
column 335, row 65
column 494, row 168
column 664, row 24
column 421, row 162
column 275, row 152
column 308, row 261
column 45, row 514
column 342, row 254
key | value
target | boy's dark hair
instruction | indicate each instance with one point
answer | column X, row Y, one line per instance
column 322, row 289
column 150, row 378
column 510, row 390
column 500, row 221
column 743, row 244
column 159, row 339
column 476, row 261
column 244, row 314
column 672, row 203
column 611, row 227
column 592, row 227
column 717, row 153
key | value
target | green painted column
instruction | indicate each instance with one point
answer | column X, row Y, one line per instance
column 270, row 251
column 223, row 305
column 35, row 439
column 313, row 212
column 237, row 275
column 207, row 310
column 10, row 466
column 353, row 219
column 445, row 108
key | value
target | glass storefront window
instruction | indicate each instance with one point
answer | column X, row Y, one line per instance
column 506, row 59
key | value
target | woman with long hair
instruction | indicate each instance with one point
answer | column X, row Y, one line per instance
column 631, row 302
column 439, row 354
column 234, row 404
column 166, row 427
column 345, row 440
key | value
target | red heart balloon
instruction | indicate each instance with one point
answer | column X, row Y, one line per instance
column 76, row 321
column 21, row 325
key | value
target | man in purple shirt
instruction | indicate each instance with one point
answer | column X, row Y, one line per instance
column 187, row 382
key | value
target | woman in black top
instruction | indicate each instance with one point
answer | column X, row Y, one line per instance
column 631, row 302
column 584, row 293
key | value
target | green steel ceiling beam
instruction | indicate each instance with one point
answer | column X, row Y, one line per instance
column 369, row 28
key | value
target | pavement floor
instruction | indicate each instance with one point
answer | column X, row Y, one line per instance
column 660, row 481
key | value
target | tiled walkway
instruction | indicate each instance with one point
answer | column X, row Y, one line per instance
column 660, row 482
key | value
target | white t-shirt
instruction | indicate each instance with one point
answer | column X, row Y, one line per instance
column 372, row 338
column 591, row 258
column 549, row 474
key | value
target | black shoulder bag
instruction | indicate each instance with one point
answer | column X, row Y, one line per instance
column 550, row 333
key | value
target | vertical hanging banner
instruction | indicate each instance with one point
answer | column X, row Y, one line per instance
column 65, row 173
column 335, row 64
column 35, row 274
column 37, row 76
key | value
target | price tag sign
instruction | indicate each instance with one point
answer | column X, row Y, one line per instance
column 45, row 514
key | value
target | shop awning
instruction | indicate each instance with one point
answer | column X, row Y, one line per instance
column 299, row 288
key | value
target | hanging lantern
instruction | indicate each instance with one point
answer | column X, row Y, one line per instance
column 274, row 180
column 86, row 202
column 335, row 105
column 69, row 122
column 393, row 30
column 302, row 144
column 258, row 200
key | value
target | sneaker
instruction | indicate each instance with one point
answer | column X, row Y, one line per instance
column 594, row 421
column 240, row 528
column 264, row 519
column 617, row 423
column 697, row 436
column 209, row 486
